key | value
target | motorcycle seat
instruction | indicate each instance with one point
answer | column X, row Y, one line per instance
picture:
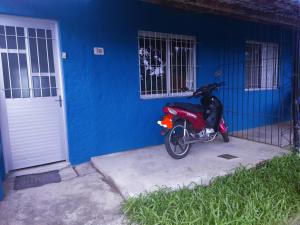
column 194, row 108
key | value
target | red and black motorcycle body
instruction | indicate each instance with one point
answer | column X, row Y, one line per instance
column 207, row 114
column 195, row 119
column 187, row 123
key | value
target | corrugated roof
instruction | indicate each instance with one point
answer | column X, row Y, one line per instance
column 285, row 12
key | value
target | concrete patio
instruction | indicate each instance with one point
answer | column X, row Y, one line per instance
column 92, row 193
column 146, row 169
column 83, row 197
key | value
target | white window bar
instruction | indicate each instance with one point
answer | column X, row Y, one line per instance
column 48, row 64
column 28, row 62
column 144, row 55
column 8, row 64
column 155, row 59
column 38, row 59
column 176, row 66
column 176, row 70
column 169, row 66
column 188, row 65
column 139, row 62
column 162, row 67
column 150, row 60
column 181, row 63
column 25, row 52
column 48, row 74
column 186, row 55
column 18, row 57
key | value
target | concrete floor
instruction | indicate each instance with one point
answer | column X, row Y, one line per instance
column 279, row 134
column 92, row 194
column 83, row 198
column 146, row 169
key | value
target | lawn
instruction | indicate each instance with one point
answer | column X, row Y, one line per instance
column 266, row 195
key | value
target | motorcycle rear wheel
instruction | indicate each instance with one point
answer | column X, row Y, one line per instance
column 174, row 142
column 225, row 137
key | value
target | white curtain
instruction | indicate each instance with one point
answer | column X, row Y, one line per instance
column 269, row 65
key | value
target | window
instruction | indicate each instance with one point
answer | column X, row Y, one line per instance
column 261, row 65
column 167, row 64
column 42, row 62
column 16, row 43
column 14, row 64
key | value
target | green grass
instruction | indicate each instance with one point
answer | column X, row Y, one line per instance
column 266, row 195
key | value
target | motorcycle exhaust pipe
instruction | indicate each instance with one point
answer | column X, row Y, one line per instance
column 200, row 140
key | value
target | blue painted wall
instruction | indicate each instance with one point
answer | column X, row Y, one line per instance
column 104, row 111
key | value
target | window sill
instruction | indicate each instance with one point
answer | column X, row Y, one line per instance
column 260, row 89
column 174, row 95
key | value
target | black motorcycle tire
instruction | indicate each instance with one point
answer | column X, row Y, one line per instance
column 168, row 145
column 225, row 137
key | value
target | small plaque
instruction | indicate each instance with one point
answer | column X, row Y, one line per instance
column 98, row 51
column 64, row 55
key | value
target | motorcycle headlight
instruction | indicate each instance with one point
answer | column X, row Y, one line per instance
column 172, row 111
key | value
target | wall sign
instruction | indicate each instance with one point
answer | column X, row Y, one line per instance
column 98, row 51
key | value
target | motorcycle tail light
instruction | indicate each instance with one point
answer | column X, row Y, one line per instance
column 166, row 122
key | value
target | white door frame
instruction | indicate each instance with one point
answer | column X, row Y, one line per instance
column 15, row 21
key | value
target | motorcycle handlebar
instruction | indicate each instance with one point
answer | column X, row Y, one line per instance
column 207, row 88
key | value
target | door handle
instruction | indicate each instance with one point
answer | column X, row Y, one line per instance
column 59, row 100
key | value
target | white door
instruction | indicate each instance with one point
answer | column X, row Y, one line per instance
column 31, row 93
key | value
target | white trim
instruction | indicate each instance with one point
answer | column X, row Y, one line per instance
column 62, row 92
column 28, row 57
column 26, row 21
column 195, row 64
column 165, row 35
column 171, row 95
column 4, row 125
column 168, row 70
column 42, row 24
column 13, row 51
column 260, row 89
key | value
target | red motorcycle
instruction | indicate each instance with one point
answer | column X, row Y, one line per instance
column 186, row 123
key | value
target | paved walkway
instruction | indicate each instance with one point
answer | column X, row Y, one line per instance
column 134, row 172
column 83, row 199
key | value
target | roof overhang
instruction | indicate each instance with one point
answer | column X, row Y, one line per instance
column 283, row 12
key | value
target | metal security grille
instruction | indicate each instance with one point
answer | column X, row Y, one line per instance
column 261, row 65
column 167, row 64
column 42, row 62
column 258, row 83
column 27, row 62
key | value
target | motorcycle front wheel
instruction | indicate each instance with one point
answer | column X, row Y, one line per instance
column 174, row 142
